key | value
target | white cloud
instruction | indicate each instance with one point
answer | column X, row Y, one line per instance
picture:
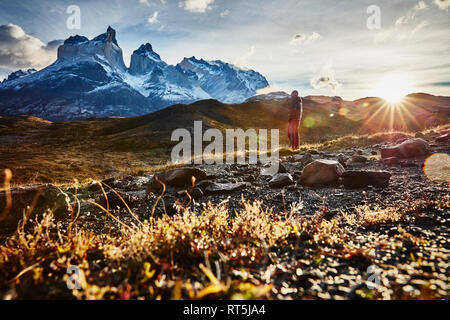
column 405, row 26
column 313, row 38
column 243, row 60
column 325, row 78
column 271, row 88
column 411, row 15
column 442, row 4
column 421, row 5
column 225, row 13
column 300, row 39
column 148, row 3
column 154, row 18
column 406, row 18
column 196, row 5
column 401, row 20
column 420, row 26
column 20, row 50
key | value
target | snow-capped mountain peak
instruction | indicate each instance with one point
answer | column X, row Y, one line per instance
column 147, row 50
column 144, row 60
column 89, row 79
column 104, row 45
column 222, row 80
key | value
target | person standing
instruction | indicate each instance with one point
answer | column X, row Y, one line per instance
column 295, row 115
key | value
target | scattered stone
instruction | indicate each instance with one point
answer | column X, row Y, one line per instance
column 138, row 183
column 250, row 178
column 408, row 164
column 281, row 180
column 297, row 176
column 271, row 164
column 359, row 179
column 356, row 158
column 292, row 187
column 322, row 172
column 197, row 193
column 282, row 168
column 114, row 201
column 342, row 159
column 110, row 181
column 419, row 135
column 50, row 197
column 290, row 159
column 178, row 177
column 210, row 177
column 93, row 187
column 226, row 187
column 443, row 138
column 390, row 161
column 416, row 147
column 304, row 159
column 204, row 184
column 314, row 152
column 374, row 152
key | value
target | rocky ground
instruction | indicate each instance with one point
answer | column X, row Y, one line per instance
column 389, row 219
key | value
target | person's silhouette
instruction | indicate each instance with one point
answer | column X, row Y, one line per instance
column 295, row 115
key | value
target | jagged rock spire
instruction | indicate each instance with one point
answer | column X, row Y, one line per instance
column 111, row 35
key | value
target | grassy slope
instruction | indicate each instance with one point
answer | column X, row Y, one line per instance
column 40, row 151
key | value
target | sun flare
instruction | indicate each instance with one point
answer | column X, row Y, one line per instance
column 393, row 88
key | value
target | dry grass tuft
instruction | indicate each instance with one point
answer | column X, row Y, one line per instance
column 372, row 216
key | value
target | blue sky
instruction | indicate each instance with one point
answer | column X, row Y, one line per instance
column 318, row 47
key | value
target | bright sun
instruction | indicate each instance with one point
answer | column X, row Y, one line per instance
column 393, row 88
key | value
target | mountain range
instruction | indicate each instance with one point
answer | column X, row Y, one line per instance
column 90, row 79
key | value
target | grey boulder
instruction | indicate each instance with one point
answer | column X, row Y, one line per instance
column 359, row 179
column 178, row 177
column 281, row 180
column 411, row 148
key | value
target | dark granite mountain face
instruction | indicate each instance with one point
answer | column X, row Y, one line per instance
column 19, row 74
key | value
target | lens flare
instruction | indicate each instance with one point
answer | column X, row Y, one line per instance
column 309, row 122
column 437, row 167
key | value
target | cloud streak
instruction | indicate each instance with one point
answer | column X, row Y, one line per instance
column 154, row 18
column 200, row 6
column 225, row 13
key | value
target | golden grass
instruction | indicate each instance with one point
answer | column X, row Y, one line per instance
column 371, row 216
column 161, row 251
column 39, row 151
column 190, row 255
